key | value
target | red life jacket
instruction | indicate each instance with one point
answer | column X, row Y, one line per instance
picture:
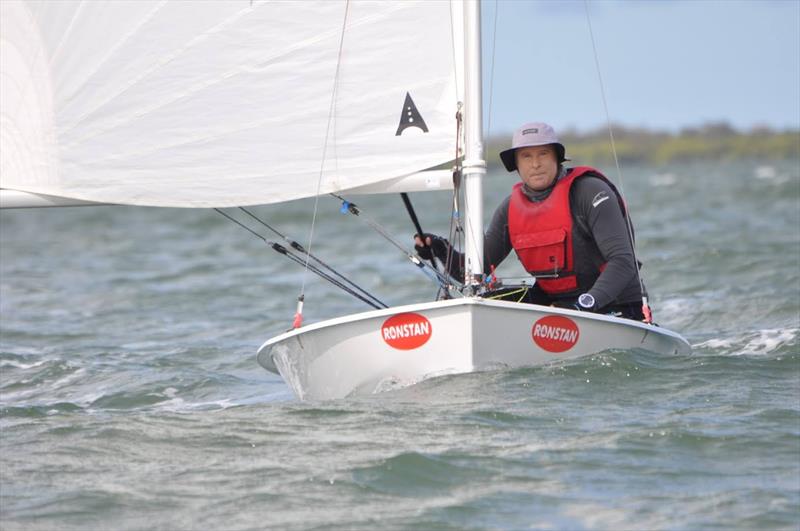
column 541, row 234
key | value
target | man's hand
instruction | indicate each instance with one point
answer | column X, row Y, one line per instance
column 434, row 246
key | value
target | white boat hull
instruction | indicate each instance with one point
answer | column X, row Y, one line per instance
column 391, row 348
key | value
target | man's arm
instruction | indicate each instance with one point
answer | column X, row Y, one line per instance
column 599, row 209
column 497, row 242
column 496, row 245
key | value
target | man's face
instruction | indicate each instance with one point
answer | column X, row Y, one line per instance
column 537, row 166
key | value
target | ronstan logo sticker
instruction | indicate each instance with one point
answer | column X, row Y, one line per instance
column 555, row 333
column 406, row 331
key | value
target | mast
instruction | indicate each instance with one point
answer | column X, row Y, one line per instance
column 474, row 164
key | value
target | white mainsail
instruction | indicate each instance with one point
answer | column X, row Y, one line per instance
column 214, row 104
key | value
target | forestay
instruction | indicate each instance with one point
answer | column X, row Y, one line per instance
column 214, row 104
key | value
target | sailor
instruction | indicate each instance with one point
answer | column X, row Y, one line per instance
column 567, row 226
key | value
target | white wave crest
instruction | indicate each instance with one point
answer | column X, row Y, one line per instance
column 12, row 364
column 663, row 179
column 760, row 342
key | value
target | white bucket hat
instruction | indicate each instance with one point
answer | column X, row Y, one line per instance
column 532, row 134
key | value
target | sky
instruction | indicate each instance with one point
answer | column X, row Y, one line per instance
column 665, row 64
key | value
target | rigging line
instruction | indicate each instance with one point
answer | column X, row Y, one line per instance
column 295, row 245
column 628, row 222
column 455, row 221
column 456, row 234
column 453, row 46
column 325, row 145
column 491, row 75
column 335, row 282
column 603, row 97
column 314, row 269
column 353, row 209
column 274, row 230
column 245, row 227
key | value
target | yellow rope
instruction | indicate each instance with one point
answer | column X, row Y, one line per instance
column 502, row 295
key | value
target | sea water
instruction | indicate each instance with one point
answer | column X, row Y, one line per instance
column 130, row 396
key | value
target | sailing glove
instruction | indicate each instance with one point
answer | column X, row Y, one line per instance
column 439, row 247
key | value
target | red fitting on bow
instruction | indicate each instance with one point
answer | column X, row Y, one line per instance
column 648, row 315
column 298, row 315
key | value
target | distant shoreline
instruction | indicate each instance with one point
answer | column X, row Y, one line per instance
column 713, row 141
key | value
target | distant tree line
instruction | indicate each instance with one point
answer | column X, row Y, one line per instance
column 712, row 141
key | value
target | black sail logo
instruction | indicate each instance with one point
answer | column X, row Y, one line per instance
column 410, row 117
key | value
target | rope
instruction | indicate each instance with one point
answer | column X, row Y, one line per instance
column 453, row 46
column 242, row 225
column 342, row 282
column 629, row 224
column 441, row 279
column 295, row 245
column 491, row 75
column 603, row 97
column 301, row 297
column 455, row 229
column 523, row 290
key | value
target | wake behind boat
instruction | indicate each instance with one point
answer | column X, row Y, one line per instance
column 396, row 347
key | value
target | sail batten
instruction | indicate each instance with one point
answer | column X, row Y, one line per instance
column 200, row 104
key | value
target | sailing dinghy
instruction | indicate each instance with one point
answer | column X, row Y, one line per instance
column 396, row 347
column 219, row 104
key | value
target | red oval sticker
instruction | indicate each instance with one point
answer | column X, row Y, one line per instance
column 406, row 331
column 555, row 333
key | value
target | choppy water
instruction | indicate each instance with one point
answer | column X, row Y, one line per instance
column 130, row 397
